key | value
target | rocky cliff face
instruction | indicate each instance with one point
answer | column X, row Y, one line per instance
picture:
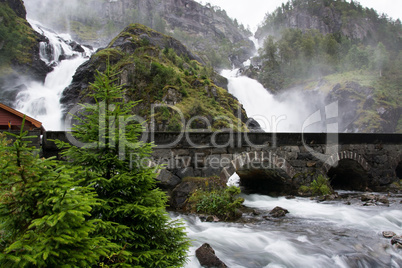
column 204, row 29
column 319, row 16
column 17, row 6
column 157, row 69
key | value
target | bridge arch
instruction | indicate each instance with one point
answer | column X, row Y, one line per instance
column 334, row 159
column 347, row 170
column 261, row 172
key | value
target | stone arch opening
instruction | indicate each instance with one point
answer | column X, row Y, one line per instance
column 398, row 170
column 261, row 173
column 348, row 175
column 272, row 182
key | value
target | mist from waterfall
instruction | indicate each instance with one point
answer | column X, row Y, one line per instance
column 287, row 111
column 284, row 112
column 42, row 100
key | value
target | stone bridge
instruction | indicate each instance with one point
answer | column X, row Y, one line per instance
column 274, row 163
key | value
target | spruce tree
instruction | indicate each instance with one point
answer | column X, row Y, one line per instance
column 44, row 211
column 134, row 210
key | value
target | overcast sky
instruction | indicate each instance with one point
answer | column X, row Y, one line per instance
column 252, row 12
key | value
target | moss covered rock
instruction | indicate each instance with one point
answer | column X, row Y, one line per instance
column 171, row 83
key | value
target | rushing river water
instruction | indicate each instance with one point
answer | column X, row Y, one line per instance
column 313, row 234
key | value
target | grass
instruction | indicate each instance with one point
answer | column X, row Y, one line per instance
column 363, row 77
column 384, row 91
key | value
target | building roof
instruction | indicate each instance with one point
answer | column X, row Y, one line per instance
column 34, row 122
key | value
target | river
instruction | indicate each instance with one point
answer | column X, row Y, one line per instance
column 313, row 234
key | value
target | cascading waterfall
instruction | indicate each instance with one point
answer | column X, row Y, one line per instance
column 285, row 112
column 42, row 101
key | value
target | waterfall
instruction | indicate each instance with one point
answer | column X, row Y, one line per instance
column 284, row 112
column 42, row 100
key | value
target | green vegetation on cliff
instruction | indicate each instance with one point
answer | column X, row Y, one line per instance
column 158, row 70
column 17, row 40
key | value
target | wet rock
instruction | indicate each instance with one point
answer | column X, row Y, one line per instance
column 388, row 234
column 383, row 199
column 76, row 47
column 256, row 212
column 397, row 241
column 372, row 200
column 367, row 197
column 180, row 194
column 211, row 218
column 369, row 204
column 253, row 125
column 207, row 258
column 166, row 180
column 278, row 212
column 237, row 214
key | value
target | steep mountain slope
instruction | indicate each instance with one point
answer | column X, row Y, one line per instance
column 342, row 49
column 19, row 50
column 156, row 69
column 204, row 29
column 350, row 20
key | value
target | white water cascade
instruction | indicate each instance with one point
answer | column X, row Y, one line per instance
column 313, row 234
column 42, row 101
column 285, row 112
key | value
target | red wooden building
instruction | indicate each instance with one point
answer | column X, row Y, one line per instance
column 11, row 119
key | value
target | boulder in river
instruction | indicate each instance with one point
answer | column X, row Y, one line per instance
column 397, row 241
column 278, row 212
column 388, row 234
column 372, row 199
column 207, row 258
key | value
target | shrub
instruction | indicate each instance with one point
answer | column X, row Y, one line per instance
column 220, row 202
column 320, row 186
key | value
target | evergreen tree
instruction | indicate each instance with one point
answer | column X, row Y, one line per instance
column 134, row 210
column 43, row 212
